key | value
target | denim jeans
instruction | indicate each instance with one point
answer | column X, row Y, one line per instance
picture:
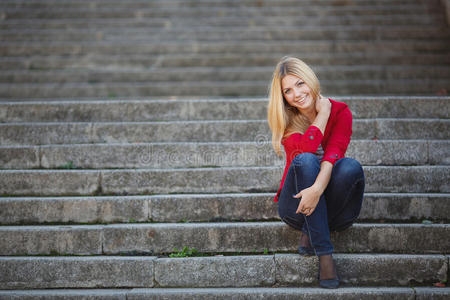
column 338, row 206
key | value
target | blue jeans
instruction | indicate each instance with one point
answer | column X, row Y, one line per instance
column 338, row 206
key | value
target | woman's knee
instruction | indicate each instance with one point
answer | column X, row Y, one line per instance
column 293, row 221
column 304, row 159
column 349, row 168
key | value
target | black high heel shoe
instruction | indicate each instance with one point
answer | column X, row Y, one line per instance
column 329, row 283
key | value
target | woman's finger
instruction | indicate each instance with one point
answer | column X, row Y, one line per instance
column 311, row 211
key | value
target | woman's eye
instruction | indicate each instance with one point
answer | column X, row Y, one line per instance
column 299, row 83
column 287, row 91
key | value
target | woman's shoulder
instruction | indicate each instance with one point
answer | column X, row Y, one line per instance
column 338, row 104
column 337, row 107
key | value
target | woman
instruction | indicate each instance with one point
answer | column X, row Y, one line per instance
column 321, row 190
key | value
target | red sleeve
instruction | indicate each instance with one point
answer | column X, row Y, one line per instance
column 339, row 138
column 299, row 143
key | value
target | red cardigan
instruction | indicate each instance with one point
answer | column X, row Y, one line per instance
column 334, row 141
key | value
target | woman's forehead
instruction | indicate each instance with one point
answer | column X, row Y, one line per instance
column 290, row 79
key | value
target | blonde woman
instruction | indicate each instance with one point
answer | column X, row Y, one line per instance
column 321, row 190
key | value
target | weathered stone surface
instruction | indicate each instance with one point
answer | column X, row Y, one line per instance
column 397, row 106
column 205, row 237
column 362, row 107
column 161, row 155
column 386, row 152
column 54, row 240
column 393, row 129
column 201, row 131
column 220, row 34
column 297, row 269
column 391, row 206
column 226, row 271
column 439, row 152
column 423, row 293
column 289, row 293
column 205, row 180
column 396, row 238
column 99, row 209
column 65, row 294
column 94, row 111
column 285, row 46
column 202, row 180
column 251, row 179
column 75, row 272
column 199, row 11
column 19, row 157
column 223, row 207
column 221, row 154
column 200, row 208
column 181, row 131
column 44, row 133
column 414, row 179
column 45, row 183
column 365, row 269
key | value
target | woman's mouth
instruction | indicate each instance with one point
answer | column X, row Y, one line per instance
column 301, row 100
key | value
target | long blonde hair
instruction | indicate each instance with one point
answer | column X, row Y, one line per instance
column 283, row 118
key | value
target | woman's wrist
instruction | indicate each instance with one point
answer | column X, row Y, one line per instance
column 318, row 188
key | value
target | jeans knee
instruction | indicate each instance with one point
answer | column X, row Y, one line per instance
column 350, row 168
column 305, row 158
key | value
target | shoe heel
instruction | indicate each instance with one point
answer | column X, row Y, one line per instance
column 329, row 283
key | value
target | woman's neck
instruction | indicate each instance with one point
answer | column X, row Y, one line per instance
column 310, row 114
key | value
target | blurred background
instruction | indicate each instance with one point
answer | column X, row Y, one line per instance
column 137, row 48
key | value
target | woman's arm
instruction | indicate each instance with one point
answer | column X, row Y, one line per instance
column 310, row 196
column 324, row 176
column 323, row 108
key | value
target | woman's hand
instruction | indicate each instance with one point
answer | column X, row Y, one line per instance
column 323, row 104
column 309, row 199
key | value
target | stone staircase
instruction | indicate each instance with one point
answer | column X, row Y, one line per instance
column 95, row 195
column 130, row 128
column 57, row 49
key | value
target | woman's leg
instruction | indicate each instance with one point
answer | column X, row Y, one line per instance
column 302, row 173
column 344, row 193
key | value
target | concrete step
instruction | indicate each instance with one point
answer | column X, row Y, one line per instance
column 411, row 179
column 202, row 131
column 377, row 207
column 218, row 21
column 194, row 155
column 227, row 271
column 224, row 10
column 195, row 4
column 289, row 293
column 176, row 47
column 227, row 34
column 247, row 237
column 135, row 62
column 215, row 88
column 133, row 110
column 232, row 73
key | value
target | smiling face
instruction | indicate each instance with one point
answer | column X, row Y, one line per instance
column 297, row 93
